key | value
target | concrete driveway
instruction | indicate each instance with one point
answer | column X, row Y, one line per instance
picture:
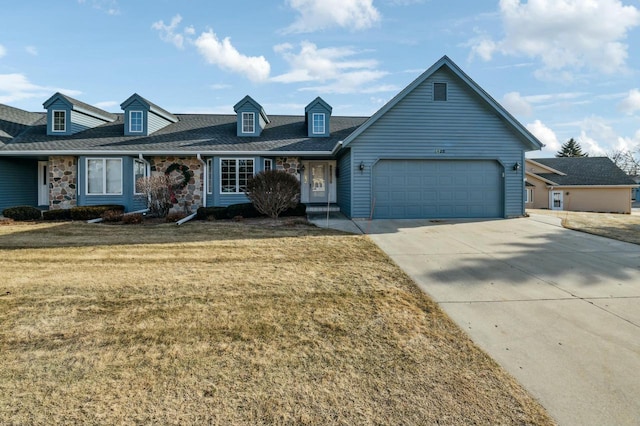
column 558, row 309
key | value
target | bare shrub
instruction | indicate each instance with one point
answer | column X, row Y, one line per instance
column 174, row 217
column 157, row 191
column 112, row 216
column 132, row 219
column 273, row 191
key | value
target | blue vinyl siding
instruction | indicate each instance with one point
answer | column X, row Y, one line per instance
column 463, row 127
column 18, row 183
column 344, row 183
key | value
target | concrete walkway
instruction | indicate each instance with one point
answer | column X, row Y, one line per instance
column 558, row 309
column 335, row 220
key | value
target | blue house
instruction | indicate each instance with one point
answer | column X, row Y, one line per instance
column 441, row 148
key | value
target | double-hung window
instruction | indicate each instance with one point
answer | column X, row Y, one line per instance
column 318, row 124
column 234, row 174
column 528, row 198
column 135, row 121
column 139, row 172
column 248, row 122
column 268, row 164
column 59, row 121
column 104, row 176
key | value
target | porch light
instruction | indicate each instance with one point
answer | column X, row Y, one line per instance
column 361, row 166
column 516, row 166
column 301, row 169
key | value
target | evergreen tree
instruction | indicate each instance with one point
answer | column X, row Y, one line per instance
column 571, row 148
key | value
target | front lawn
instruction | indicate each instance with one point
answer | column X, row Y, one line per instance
column 230, row 323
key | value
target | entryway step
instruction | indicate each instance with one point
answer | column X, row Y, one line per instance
column 322, row 208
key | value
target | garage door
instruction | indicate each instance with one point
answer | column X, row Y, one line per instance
column 413, row 189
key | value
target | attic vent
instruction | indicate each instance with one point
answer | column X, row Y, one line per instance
column 439, row 91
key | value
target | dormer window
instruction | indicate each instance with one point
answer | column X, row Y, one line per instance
column 59, row 121
column 318, row 124
column 248, row 122
column 135, row 122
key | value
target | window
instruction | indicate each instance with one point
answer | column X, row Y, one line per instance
column 209, row 176
column 139, row 172
column 248, row 122
column 104, row 176
column 268, row 164
column 135, row 121
column 59, row 121
column 318, row 124
column 439, row 91
column 528, row 196
column 234, row 174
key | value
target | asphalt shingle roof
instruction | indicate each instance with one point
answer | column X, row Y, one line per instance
column 585, row 171
column 14, row 121
column 192, row 133
column 97, row 111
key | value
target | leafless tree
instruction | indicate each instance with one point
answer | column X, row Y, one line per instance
column 157, row 192
column 627, row 160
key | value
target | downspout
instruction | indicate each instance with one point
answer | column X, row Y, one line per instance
column 147, row 173
column 204, row 180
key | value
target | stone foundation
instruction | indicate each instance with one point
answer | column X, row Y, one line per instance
column 288, row 164
column 63, row 182
column 190, row 197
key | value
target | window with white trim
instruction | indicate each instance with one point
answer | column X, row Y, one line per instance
column 135, row 121
column 528, row 197
column 248, row 122
column 268, row 164
column 104, row 176
column 139, row 172
column 234, row 174
column 209, row 176
column 439, row 91
column 59, row 119
column 318, row 124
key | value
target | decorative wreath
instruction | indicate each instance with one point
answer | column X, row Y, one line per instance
column 186, row 174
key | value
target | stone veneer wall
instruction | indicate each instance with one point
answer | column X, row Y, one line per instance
column 288, row 164
column 63, row 182
column 190, row 198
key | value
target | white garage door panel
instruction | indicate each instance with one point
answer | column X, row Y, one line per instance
column 437, row 189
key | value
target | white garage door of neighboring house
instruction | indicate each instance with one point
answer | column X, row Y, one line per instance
column 414, row 189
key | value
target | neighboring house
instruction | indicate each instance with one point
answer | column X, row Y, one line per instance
column 441, row 148
column 590, row 184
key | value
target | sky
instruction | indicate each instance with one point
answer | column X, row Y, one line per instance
column 564, row 68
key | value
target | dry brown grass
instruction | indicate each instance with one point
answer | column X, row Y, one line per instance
column 230, row 324
column 623, row 227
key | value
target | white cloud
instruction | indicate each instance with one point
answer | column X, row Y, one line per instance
column 106, row 104
column 110, row 7
column 629, row 143
column 31, row 50
column 220, row 86
column 224, row 55
column 545, row 135
column 3, row 51
column 516, row 104
column 597, row 137
column 335, row 68
column 631, row 103
column 168, row 32
column 16, row 87
column 564, row 34
column 322, row 14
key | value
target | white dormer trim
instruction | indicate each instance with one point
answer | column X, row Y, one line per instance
column 53, row 121
column 313, row 123
column 253, row 123
column 131, row 129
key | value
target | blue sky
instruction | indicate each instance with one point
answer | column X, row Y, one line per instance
column 564, row 68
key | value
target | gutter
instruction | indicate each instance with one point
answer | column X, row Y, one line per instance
column 186, row 219
column 175, row 153
column 336, row 148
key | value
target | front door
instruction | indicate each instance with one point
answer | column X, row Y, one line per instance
column 556, row 200
column 318, row 182
column 43, row 183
